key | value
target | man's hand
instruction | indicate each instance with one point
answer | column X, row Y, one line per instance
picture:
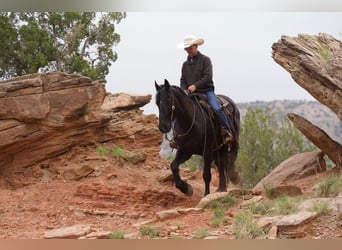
column 192, row 88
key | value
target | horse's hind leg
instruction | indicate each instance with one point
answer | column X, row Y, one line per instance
column 207, row 175
column 222, row 161
column 180, row 184
column 232, row 173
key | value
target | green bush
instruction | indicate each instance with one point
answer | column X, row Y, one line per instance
column 218, row 217
column 265, row 142
column 201, row 233
column 282, row 205
column 149, row 231
column 225, row 201
column 260, row 208
column 320, row 208
column 245, row 227
column 218, row 207
column 330, row 187
column 285, row 205
column 102, row 150
column 117, row 235
column 117, row 152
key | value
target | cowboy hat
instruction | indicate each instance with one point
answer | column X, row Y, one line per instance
column 190, row 40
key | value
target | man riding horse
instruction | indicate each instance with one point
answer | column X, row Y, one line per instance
column 197, row 76
column 190, row 118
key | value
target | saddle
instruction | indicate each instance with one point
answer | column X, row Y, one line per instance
column 225, row 105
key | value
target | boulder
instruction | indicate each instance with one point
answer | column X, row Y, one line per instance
column 294, row 168
column 72, row 232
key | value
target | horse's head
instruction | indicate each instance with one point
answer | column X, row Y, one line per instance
column 164, row 101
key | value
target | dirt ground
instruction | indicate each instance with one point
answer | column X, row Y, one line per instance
column 116, row 196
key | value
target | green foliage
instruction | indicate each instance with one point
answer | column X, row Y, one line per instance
column 320, row 208
column 219, row 207
column 117, row 235
column 102, row 150
column 245, row 226
column 117, row 152
column 194, row 163
column 201, row 233
column 324, row 53
column 218, row 217
column 265, row 143
column 269, row 191
column 262, row 208
column 149, row 231
column 225, row 202
column 73, row 42
column 174, row 236
column 330, row 187
column 283, row 205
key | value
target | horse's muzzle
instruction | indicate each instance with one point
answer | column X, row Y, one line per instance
column 164, row 128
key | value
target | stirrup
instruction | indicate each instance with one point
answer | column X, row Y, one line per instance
column 228, row 138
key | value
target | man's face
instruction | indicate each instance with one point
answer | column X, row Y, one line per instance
column 191, row 50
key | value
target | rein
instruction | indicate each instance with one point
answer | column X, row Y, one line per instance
column 192, row 123
column 173, row 108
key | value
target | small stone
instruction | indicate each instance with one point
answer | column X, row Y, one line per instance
column 72, row 232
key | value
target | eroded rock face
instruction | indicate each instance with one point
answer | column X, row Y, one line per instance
column 44, row 115
column 40, row 113
column 315, row 63
column 318, row 137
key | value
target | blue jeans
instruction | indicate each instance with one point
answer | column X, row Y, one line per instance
column 213, row 102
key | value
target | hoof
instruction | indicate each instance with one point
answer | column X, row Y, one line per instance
column 235, row 178
column 190, row 190
column 221, row 190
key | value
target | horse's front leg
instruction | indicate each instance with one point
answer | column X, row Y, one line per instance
column 180, row 184
column 207, row 175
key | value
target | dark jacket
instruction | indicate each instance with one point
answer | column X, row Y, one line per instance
column 197, row 70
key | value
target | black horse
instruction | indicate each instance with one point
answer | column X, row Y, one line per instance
column 197, row 130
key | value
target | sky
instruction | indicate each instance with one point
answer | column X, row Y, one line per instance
column 239, row 44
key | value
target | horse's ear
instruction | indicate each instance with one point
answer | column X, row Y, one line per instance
column 167, row 84
column 156, row 86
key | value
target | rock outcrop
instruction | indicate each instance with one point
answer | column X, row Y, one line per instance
column 318, row 137
column 44, row 115
column 295, row 168
column 315, row 63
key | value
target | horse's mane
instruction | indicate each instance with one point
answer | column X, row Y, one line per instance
column 181, row 95
column 177, row 90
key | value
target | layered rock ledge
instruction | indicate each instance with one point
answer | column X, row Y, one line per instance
column 44, row 115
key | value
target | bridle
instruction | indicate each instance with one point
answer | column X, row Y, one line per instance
column 173, row 108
